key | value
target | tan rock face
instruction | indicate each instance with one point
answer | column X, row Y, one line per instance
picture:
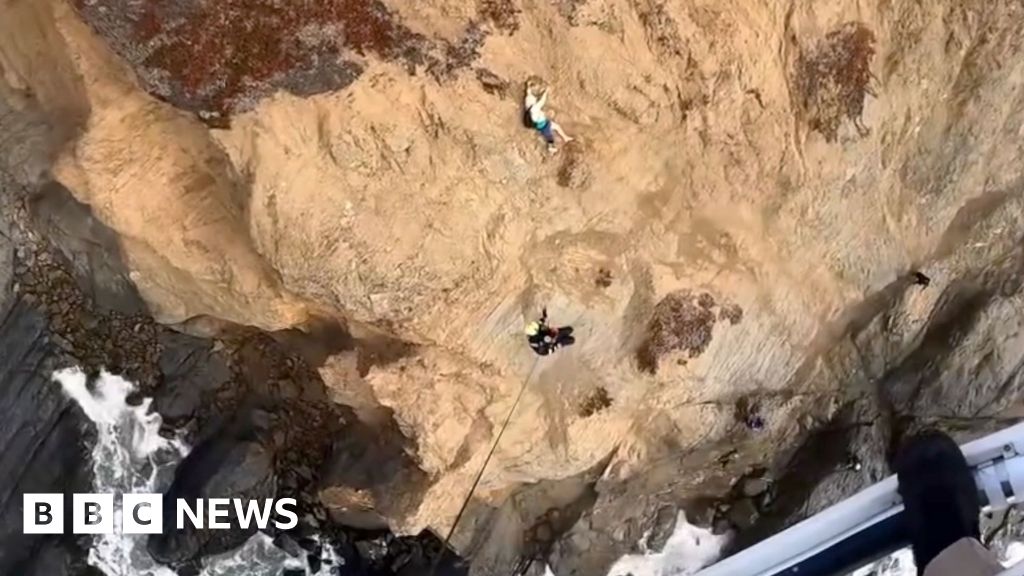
column 152, row 173
column 751, row 185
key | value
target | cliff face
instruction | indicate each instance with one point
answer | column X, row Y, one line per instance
column 731, row 236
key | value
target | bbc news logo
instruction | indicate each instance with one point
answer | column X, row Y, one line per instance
column 144, row 513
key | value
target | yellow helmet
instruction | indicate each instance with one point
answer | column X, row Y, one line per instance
column 533, row 328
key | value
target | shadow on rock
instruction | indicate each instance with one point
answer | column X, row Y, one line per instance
column 370, row 476
column 91, row 248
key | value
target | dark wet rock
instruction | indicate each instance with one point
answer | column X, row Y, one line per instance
column 743, row 514
column 311, row 521
column 358, row 518
column 765, row 501
column 814, row 476
column 628, row 509
column 191, row 370
column 30, row 139
column 59, row 279
column 229, row 463
column 299, row 440
column 307, row 544
column 56, row 556
column 700, row 512
column 378, row 552
column 247, row 469
column 419, row 564
column 40, row 441
column 721, row 526
column 304, row 472
column 314, row 563
column 929, row 382
column 320, row 513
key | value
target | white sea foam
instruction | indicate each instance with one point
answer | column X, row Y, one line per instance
column 130, row 456
column 686, row 551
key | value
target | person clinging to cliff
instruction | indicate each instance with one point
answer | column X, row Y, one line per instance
column 544, row 339
column 533, row 110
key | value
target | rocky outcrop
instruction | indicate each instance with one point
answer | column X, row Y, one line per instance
column 187, row 182
column 259, row 418
column 65, row 299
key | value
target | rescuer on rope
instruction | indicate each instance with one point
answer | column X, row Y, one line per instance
column 544, row 339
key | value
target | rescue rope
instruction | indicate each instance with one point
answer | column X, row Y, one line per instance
column 480, row 474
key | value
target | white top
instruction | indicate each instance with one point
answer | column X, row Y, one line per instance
column 536, row 106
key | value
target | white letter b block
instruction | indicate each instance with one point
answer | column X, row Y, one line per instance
column 43, row 514
column 93, row 514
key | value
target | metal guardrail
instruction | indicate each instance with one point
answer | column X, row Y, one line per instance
column 867, row 523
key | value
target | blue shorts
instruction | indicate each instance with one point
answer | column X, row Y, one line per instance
column 545, row 129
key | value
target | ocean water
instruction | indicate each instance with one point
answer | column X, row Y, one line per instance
column 686, row 551
column 130, row 456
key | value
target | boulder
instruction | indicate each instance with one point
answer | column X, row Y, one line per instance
column 191, row 370
column 743, row 514
column 228, row 463
column 752, row 487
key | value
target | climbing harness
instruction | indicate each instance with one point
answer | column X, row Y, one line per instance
column 480, row 474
